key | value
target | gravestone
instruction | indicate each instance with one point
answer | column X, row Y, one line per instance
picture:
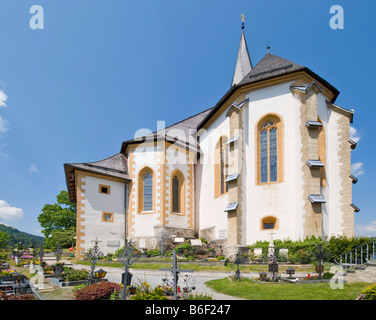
column 257, row 252
column 179, row 240
column 196, row 243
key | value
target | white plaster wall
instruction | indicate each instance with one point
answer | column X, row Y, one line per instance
column 146, row 155
column 177, row 159
column 210, row 210
column 109, row 233
column 324, row 115
column 333, row 173
column 282, row 200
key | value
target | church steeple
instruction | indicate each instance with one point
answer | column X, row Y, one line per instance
column 243, row 62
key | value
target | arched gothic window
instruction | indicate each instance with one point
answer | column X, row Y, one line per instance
column 177, row 192
column 269, row 150
column 145, row 190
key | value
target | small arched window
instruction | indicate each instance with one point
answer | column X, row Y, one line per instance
column 269, row 223
column 145, row 190
column 269, row 150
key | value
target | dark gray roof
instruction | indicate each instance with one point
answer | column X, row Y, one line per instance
column 186, row 126
column 270, row 66
column 115, row 166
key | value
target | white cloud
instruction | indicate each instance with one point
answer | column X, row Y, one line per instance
column 368, row 230
column 9, row 213
column 357, row 169
column 3, row 98
column 3, row 122
column 33, row 168
column 354, row 134
column 3, row 125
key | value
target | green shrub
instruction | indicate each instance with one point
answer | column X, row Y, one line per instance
column 70, row 274
column 327, row 275
column 186, row 250
column 199, row 297
column 156, row 294
column 303, row 251
column 370, row 292
column 153, row 253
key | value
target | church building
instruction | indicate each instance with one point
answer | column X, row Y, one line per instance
column 273, row 155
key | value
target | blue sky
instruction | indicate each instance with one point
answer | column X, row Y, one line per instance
column 101, row 70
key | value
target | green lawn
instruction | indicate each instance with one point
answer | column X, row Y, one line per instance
column 198, row 267
column 249, row 290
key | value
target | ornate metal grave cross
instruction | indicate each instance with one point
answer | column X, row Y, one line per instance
column 237, row 262
column 127, row 257
column 58, row 253
column 94, row 255
column 175, row 270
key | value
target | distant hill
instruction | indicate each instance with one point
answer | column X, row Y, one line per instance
column 16, row 236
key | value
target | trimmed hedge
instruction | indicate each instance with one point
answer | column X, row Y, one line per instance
column 303, row 251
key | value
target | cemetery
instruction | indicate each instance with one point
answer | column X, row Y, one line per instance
column 33, row 273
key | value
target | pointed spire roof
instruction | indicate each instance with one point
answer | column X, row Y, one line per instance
column 243, row 62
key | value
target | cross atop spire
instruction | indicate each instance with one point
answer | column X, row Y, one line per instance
column 243, row 63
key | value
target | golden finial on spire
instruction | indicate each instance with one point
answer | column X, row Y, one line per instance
column 242, row 18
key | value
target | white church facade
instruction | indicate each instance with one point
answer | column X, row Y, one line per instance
column 273, row 154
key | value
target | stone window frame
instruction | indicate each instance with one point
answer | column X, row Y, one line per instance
column 140, row 177
column 221, row 167
column 105, row 186
column 269, row 219
column 182, row 193
column 279, row 124
column 104, row 213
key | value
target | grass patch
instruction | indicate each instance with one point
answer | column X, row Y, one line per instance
column 230, row 267
column 249, row 290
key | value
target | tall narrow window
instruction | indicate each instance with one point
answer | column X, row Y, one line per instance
column 148, row 192
column 269, row 149
column 175, row 195
column 220, row 167
column 177, row 192
column 145, row 190
column 322, row 154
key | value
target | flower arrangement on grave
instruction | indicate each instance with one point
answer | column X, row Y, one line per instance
column 5, row 296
